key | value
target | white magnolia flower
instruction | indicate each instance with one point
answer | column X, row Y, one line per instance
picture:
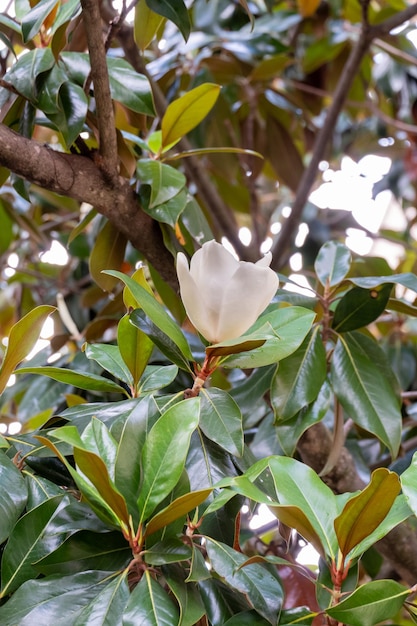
column 224, row 297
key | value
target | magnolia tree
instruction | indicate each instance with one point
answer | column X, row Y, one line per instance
column 185, row 387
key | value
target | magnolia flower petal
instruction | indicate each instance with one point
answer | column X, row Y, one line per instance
column 249, row 293
column 265, row 261
column 194, row 303
column 211, row 261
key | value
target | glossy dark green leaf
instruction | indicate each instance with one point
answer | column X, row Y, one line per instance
column 33, row 20
column 187, row 595
column 156, row 377
column 365, row 394
column 28, row 543
column 52, row 600
column 127, row 471
column 24, row 74
column 248, row 618
column 108, row 607
column 90, row 382
column 86, row 550
column 261, row 588
column 161, row 339
column 97, row 438
column 129, row 87
column 173, row 10
column 165, row 181
column 156, row 313
column 164, row 453
column 72, row 111
column 169, row 551
column 39, row 490
column 298, row 485
column 371, row 603
column 221, row 420
column 299, row 378
column 135, row 348
column 169, row 212
column 287, row 329
column 332, row 263
column 360, row 307
column 149, row 604
column 110, row 359
column 290, row 431
column 13, row 495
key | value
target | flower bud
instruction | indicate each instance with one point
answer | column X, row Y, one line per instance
column 223, row 297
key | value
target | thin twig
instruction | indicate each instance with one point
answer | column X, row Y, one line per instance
column 100, row 77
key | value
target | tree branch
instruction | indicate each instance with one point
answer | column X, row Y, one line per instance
column 104, row 106
column 281, row 248
column 78, row 177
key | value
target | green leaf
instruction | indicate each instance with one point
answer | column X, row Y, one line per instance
column 260, row 587
column 170, row 211
column 87, row 550
column 52, row 600
column 175, row 11
column 371, row 603
column 70, row 110
column 162, row 340
column 13, row 495
column 33, row 20
column 129, row 87
column 359, row 307
column 97, row 438
column 168, row 551
column 150, row 605
column 365, row 394
column 164, row 453
column 25, row 74
column 108, row 607
column 165, row 181
column 177, row 508
column 409, row 484
column 146, row 25
column 235, row 346
column 289, row 432
column 28, row 543
column 221, row 420
column 156, row 313
column 22, row 338
column 299, row 378
column 110, row 359
column 287, row 328
column 407, row 280
column 332, row 263
column 157, row 376
column 364, row 512
column 187, row 594
column 135, row 348
column 90, row 382
column 127, row 470
column 185, row 113
column 297, row 485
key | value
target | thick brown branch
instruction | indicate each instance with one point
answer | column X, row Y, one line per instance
column 78, row 177
column 100, row 77
column 280, row 249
